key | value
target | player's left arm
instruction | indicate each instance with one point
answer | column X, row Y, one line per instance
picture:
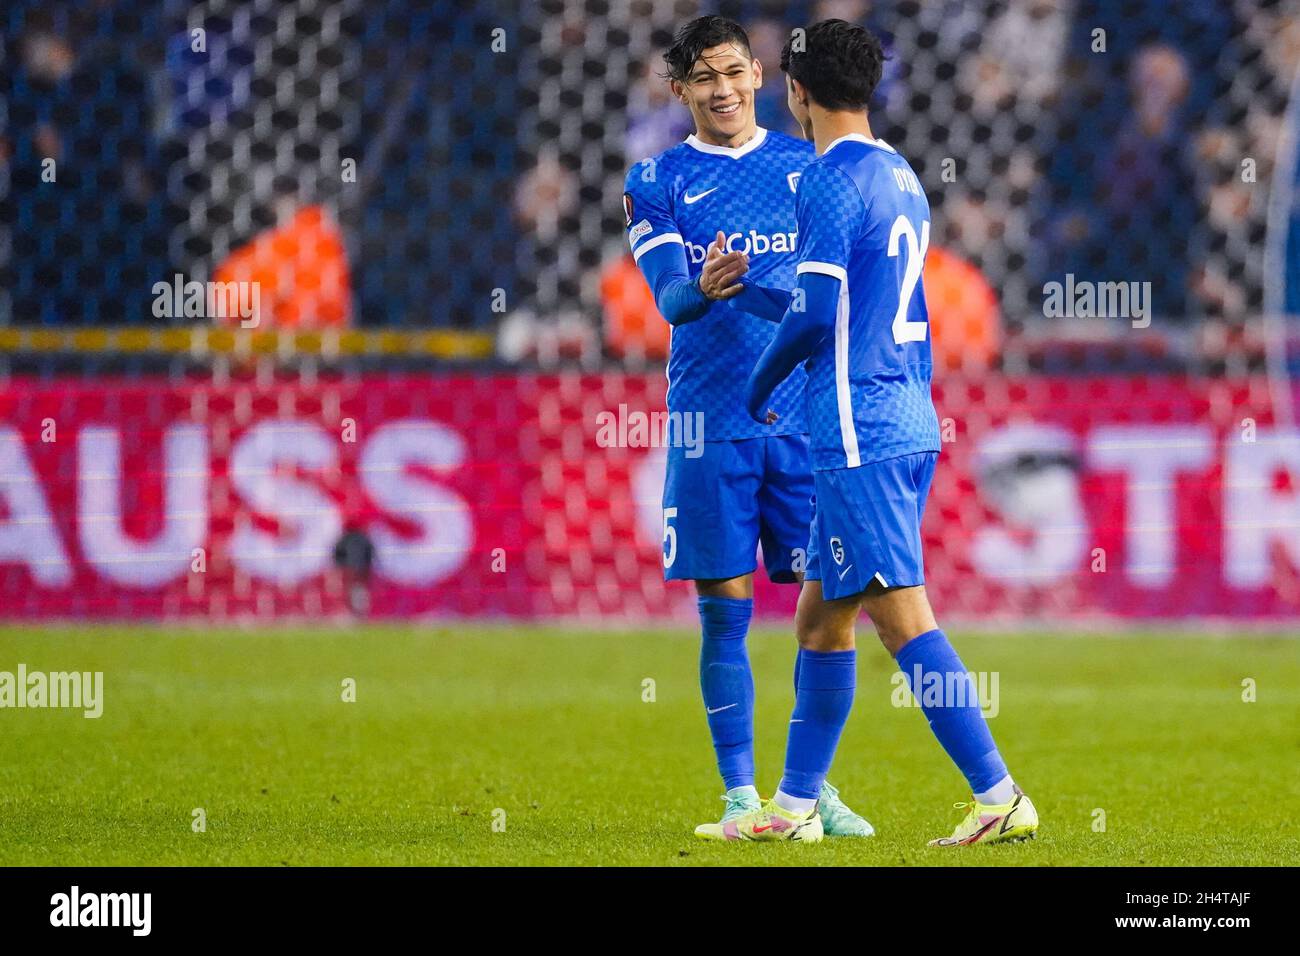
column 808, row 320
column 830, row 213
column 761, row 301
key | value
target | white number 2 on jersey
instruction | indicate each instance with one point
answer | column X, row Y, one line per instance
column 905, row 331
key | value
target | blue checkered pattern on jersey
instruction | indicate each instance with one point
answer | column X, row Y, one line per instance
column 692, row 190
column 869, row 382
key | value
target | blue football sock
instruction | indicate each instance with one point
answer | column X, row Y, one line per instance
column 728, row 686
column 955, row 719
column 822, row 702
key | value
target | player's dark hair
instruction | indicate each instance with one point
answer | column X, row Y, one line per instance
column 702, row 33
column 838, row 63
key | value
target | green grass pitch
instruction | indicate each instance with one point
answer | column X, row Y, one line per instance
column 546, row 734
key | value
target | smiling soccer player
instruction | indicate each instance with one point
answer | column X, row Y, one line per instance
column 858, row 323
column 700, row 216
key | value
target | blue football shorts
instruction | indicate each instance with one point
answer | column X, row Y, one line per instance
column 867, row 525
column 718, row 507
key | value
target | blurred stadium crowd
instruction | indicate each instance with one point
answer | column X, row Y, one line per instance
column 458, row 164
column 342, row 153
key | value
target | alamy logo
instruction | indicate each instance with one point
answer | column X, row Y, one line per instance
column 103, row 909
column 637, row 429
column 1098, row 300
column 77, row 690
column 957, row 689
column 207, row 300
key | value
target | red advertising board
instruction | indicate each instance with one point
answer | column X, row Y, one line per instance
column 504, row 496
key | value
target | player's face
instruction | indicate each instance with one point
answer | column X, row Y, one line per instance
column 719, row 92
column 793, row 96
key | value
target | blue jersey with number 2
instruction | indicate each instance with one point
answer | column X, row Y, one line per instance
column 864, row 221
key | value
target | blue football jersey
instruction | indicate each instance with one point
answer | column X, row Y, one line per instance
column 685, row 195
column 864, row 219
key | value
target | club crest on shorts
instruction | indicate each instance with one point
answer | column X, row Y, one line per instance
column 793, row 180
column 837, row 550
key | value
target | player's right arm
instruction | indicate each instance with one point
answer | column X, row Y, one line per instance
column 660, row 253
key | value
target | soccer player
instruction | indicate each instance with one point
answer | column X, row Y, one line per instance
column 858, row 320
column 699, row 216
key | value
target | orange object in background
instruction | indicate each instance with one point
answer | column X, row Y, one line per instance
column 633, row 325
column 301, row 269
column 965, row 322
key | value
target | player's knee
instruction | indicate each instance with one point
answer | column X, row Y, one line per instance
column 741, row 587
column 892, row 638
column 900, row 615
column 823, row 635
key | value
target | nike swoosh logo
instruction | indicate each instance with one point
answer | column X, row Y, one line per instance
column 1006, row 821
column 845, row 571
column 714, row 710
column 762, row 829
column 690, row 199
column 975, row 837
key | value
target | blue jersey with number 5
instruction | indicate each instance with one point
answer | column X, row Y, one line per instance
column 864, row 219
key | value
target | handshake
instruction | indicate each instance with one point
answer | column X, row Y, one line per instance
column 720, row 277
